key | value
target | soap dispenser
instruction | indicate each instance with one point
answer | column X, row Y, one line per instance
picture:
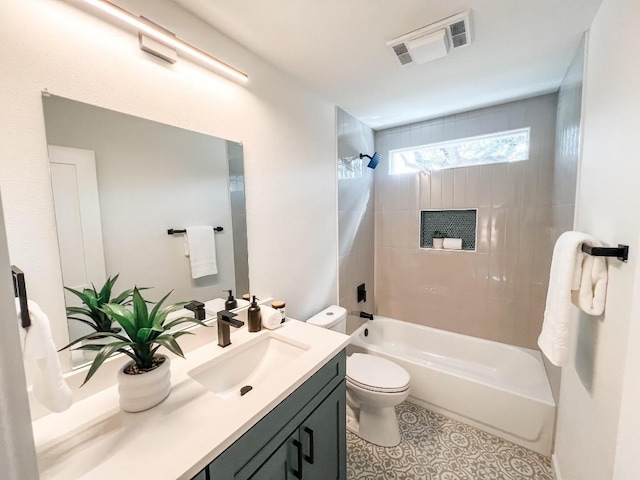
column 231, row 302
column 254, row 316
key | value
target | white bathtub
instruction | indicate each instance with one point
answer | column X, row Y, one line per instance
column 495, row 387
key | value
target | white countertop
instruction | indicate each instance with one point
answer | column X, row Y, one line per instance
column 94, row 439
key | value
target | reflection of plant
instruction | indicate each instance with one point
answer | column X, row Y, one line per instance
column 93, row 301
column 437, row 234
column 144, row 333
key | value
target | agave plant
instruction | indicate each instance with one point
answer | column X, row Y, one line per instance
column 144, row 333
column 94, row 300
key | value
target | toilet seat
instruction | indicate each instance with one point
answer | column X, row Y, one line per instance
column 376, row 374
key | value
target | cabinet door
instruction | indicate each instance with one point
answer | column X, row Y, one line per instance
column 284, row 464
column 323, row 439
column 203, row 475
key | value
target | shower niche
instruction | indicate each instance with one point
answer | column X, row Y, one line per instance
column 449, row 224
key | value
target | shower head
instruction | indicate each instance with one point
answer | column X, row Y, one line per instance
column 373, row 160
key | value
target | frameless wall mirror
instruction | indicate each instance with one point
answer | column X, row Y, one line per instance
column 120, row 182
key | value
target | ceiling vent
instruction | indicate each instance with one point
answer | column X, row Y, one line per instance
column 433, row 41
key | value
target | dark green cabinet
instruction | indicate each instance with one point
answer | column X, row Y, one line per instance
column 323, row 437
column 303, row 438
column 313, row 451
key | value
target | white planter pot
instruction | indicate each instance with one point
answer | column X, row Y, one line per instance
column 438, row 243
column 141, row 392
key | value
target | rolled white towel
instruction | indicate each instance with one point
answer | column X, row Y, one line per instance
column 271, row 318
column 452, row 244
column 49, row 387
column 592, row 292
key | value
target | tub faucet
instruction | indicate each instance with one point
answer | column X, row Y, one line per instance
column 366, row 315
column 225, row 320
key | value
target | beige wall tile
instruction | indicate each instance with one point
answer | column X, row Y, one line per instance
column 447, row 188
column 488, row 293
column 471, row 187
column 436, row 189
column 485, row 185
column 483, row 231
column 459, row 187
column 425, row 190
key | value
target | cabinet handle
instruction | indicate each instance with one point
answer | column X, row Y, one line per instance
column 309, row 458
column 298, row 473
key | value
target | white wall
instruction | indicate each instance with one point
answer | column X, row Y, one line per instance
column 608, row 196
column 288, row 135
column 17, row 451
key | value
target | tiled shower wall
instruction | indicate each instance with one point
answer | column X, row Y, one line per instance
column 355, row 215
column 565, row 173
column 497, row 292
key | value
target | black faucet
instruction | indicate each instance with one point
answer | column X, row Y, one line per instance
column 197, row 308
column 226, row 320
column 366, row 315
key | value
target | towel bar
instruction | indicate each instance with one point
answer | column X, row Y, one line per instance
column 20, row 291
column 621, row 252
column 172, row 231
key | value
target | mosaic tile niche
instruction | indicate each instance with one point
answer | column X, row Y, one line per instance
column 452, row 223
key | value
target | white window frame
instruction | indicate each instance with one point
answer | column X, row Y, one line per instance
column 459, row 141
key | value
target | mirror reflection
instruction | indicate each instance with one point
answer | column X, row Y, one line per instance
column 120, row 183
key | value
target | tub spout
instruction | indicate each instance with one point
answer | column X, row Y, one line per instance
column 366, row 315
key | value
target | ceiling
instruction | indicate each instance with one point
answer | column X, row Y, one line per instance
column 338, row 49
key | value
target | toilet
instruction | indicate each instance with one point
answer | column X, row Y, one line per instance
column 375, row 386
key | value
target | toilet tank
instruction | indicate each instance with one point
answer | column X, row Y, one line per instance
column 333, row 317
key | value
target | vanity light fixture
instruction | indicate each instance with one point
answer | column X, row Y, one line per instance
column 159, row 34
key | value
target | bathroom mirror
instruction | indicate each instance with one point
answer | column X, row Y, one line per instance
column 121, row 182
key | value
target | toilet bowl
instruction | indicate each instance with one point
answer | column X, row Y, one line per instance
column 375, row 386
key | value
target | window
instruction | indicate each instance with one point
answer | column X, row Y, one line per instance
column 510, row 146
column 349, row 168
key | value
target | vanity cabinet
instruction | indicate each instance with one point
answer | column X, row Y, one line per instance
column 303, row 438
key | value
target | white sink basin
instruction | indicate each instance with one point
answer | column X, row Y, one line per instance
column 251, row 364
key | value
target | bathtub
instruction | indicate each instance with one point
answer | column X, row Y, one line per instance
column 498, row 388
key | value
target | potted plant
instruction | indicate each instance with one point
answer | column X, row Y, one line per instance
column 146, row 380
column 438, row 239
column 91, row 314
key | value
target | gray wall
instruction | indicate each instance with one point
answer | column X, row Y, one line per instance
column 499, row 291
column 238, row 217
column 355, row 215
column 151, row 177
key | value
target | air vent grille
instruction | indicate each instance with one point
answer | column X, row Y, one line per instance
column 433, row 41
column 458, row 28
column 458, row 34
column 403, row 53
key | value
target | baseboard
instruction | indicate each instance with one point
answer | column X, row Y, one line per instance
column 556, row 469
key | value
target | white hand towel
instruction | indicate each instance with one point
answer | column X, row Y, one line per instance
column 201, row 242
column 593, row 285
column 569, row 271
column 49, row 387
column 271, row 318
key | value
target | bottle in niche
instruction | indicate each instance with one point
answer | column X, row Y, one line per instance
column 254, row 316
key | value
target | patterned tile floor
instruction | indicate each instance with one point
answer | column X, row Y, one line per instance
column 435, row 447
